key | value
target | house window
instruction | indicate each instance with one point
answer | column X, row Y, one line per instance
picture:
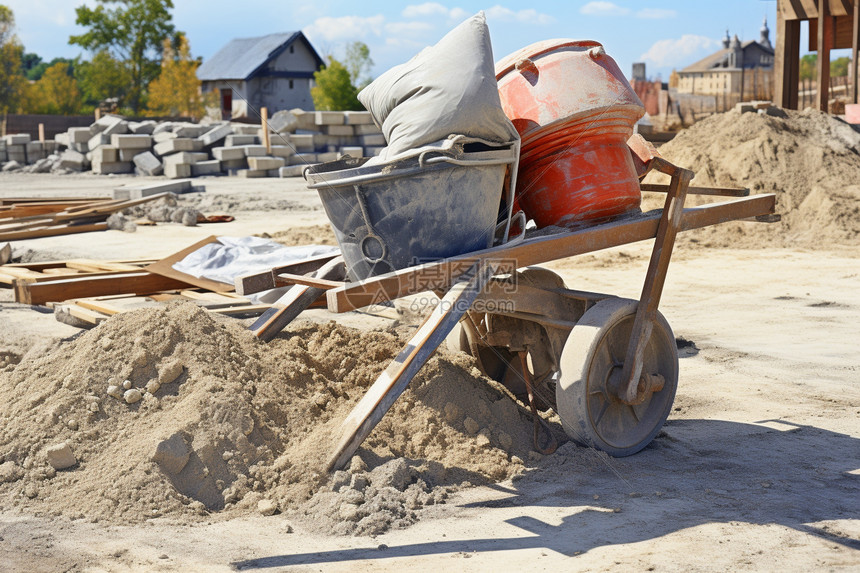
column 291, row 84
column 292, row 49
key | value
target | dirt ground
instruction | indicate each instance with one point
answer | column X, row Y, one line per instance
column 758, row 466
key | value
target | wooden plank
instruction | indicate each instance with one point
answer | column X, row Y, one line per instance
column 438, row 275
column 82, row 313
column 258, row 282
column 292, row 303
column 396, row 377
column 825, row 43
column 51, row 231
column 5, row 254
column 244, row 309
column 84, row 287
column 164, row 267
column 855, row 52
column 787, row 63
column 716, row 191
column 53, row 264
column 287, row 279
column 90, row 265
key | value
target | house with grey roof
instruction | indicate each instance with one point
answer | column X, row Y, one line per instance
column 274, row 71
column 723, row 72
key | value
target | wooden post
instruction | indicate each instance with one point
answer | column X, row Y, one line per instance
column 825, row 42
column 42, row 132
column 264, row 120
column 787, row 60
column 855, row 50
column 98, row 113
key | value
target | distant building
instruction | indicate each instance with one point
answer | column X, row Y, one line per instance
column 722, row 71
column 274, row 71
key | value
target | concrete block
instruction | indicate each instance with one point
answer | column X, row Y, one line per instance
column 371, row 140
column 305, row 119
column 3, row 156
column 355, row 152
column 365, row 129
column 210, row 167
column 163, row 127
column 10, row 166
column 117, row 128
column 252, row 173
column 131, row 141
column 105, row 154
column 254, row 150
column 73, row 160
column 245, row 128
column 142, row 127
column 216, row 134
column 140, row 191
column 79, row 134
column 61, row 456
column 17, row 152
column 79, row 147
column 173, row 146
column 190, row 130
column 163, row 136
column 358, row 118
column 188, row 157
column 283, row 122
column 302, row 142
column 232, row 165
column 17, row 139
column 328, row 118
column 197, row 145
column 291, row 171
column 105, row 122
column 109, row 168
column 62, row 139
column 339, row 130
column 128, row 154
column 326, row 157
column 228, row 153
column 50, row 146
column 265, row 163
column 35, row 151
column 177, row 170
column 236, row 139
column 282, row 151
column 98, row 140
column 303, row 159
column 148, row 164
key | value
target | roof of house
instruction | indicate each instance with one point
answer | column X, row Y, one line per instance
column 716, row 59
column 243, row 57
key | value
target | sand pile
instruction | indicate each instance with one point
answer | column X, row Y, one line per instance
column 175, row 412
column 810, row 159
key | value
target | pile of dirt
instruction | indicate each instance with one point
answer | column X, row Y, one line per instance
column 176, row 412
column 809, row 159
column 311, row 235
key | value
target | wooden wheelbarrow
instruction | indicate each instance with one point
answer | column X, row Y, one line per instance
column 608, row 366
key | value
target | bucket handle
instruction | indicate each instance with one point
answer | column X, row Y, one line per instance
column 371, row 233
column 519, row 215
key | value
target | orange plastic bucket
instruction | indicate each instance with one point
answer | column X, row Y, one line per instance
column 574, row 111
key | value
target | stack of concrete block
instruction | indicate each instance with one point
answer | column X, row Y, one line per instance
column 179, row 150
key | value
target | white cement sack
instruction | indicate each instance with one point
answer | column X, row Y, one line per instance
column 446, row 89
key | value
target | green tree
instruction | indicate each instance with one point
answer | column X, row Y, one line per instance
column 358, row 63
column 12, row 82
column 839, row 67
column 176, row 91
column 807, row 66
column 29, row 61
column 334, row 90
column 103, row 77
column 133, row 31
column 57, row 92
column 36, row 72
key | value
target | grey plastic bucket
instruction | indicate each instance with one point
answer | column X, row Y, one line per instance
column 420, row 209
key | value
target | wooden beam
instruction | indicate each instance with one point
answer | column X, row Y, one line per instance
column 855, row 50
column 439, row 275
column 51, row 231
column 716, row 191
column 85, row 287
column 825, row 43
column 787, row 61
column 164, row 267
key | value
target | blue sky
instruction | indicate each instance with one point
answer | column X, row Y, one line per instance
column 665, row 34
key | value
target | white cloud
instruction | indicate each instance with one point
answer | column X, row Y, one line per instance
column 603, row 8
column 680, row 51
column 406, row 28
column 426, row 9
column 458, row 14
column 528, row 16
column 346, row 27
column 656, row 13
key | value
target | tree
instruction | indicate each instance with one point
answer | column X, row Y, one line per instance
column 133, row 32
column 57, row 92
column 36, row 72
column 12, row 81
column 334, row 90
column 807, row 66
column 103, row 77
column 358, row 64
column 839, row 67
column 176, row 91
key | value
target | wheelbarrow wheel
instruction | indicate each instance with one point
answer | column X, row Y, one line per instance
column 590, row 411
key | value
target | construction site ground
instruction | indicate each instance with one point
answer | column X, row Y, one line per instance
column 758, row 466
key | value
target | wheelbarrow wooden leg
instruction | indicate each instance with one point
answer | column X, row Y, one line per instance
column 631, row 391
column 394, row 379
